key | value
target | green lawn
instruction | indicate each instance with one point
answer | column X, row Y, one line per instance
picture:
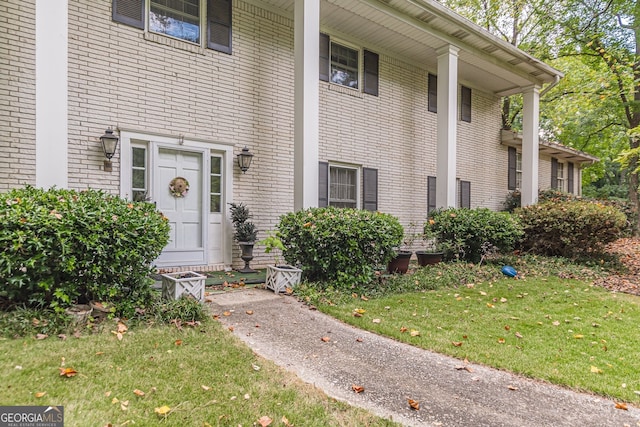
column 196, row 376
column 563, row 331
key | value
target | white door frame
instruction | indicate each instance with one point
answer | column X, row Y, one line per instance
column 131, row 136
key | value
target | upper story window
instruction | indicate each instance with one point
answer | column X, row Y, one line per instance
column 349, row 67
column 344, row 65
column 176, row 18
column 206, row 23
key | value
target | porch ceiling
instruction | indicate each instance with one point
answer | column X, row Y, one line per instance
column 413, row 30
column 553, row 149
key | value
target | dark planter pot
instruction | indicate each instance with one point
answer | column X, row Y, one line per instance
column 247, row 256
column 428, row 258
column 400, row 264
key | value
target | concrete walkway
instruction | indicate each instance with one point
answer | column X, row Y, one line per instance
column 290, row 334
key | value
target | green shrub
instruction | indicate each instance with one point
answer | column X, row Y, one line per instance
column 343, row 246
column 570, row 228
column 64, row 246
column 512, row 202
column 469, row 234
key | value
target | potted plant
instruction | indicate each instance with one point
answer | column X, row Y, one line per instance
column 245, row 233
column 280, row 277
column 400, row 263
column 432, row 254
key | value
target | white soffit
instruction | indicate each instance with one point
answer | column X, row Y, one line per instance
column 412, row 30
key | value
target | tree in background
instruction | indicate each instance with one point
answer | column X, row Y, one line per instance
column 596, row 107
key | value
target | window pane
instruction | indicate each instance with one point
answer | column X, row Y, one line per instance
column 176, row 18
column 138, row 179
column 344, row 66
column 139, row 157
column 215, row 184
column 216, row 163
column 139, row 196
column 215, row 203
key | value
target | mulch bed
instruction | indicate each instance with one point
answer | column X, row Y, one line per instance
column 628, row 251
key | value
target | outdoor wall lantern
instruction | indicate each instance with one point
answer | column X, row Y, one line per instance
column 244, row 159
column 109, row 144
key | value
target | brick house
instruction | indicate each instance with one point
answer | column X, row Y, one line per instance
column 389, row 105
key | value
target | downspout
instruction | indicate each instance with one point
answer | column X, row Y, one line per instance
column 556, row 80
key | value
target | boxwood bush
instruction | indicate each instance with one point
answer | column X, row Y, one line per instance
column 340, row 246
column 468, row 234
column 64, row 246
column 570, row 228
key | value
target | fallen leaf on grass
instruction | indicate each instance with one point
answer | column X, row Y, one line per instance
column 501, row 340
column 40, row 394
column 265, row 421
column 595, row 370
column 457, row 343
column 518, row 335
column 163, row 410
column 41, row 336
column 414, row 404
column 178, row 342
column 621, row 405
column 357, row 388
column 414, row 333
column 255, row 367
column 286, row 422
column 230, row 328
column 138, row 392
column 376, row 320
column 67, row 372
column 403, row 330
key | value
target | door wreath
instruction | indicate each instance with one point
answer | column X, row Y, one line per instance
column 179, row 187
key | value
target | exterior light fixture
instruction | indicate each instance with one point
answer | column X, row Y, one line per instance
column 109, row 144
column 244, row 159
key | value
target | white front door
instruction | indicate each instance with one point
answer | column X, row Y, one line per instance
column 186, row 210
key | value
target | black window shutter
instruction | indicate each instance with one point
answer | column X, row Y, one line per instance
column 465, row 194
column 431, row 194
column 130, row 12
column 371, row 66
column 219, row 25
column 570, row 177
column 370, row 189
column 465, row 104
column 432, row 98
column 554, row 173
column 323, row 185
column 511, row 177
column 324, row 57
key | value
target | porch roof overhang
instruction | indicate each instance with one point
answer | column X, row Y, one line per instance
column 414, row 30
column 553, row 149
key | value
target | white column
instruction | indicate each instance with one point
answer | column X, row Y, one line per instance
column 530, row 145
column 447, row 126
column 51, row 93
column 306, row 103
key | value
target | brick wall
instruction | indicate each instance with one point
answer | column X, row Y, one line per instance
column 17, row 94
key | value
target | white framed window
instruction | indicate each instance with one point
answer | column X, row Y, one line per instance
column 518, row 171
column 215, row 184
column 345, row 65
column 205, row 23
column 560, row 176
column 139, row 173
column 176, row 18
column 344, row 191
